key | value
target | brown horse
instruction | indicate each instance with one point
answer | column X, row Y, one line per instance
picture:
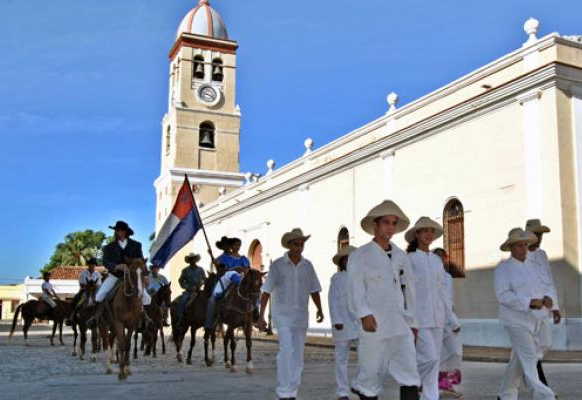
column 193, row 319
column 83, row 312
column 124, row 313
column 236, row 311
column 38, row 309
column 161, row 301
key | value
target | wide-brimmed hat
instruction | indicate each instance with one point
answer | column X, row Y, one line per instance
column 535, row 226
column 192, row 256
column 295, row 234
column 387, row 207
column 343, row 252
column 223, row 243
column 122, row 226
column 517, row 235
column 46, row 274
column 424, row 223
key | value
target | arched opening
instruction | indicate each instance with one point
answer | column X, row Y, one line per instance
column 206, row 135
column 198, row 67
column 256, row 255
column 168, row 142
column 343, row 238
column 217, row 70
column 454, row 236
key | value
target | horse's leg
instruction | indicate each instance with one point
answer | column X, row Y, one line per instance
column 163, row 340
column 128, row 351
column 225, row 339
column 135, row 343
column 52, row 339
column 121, row 341
column 108, row 343
column 75, row 335
column 61, row 332
column 94, row 344
column 155, row 342
column 249, row 343
column 83, row 342
column 207, row 359
column 230, row 333
column 27, row 323
column 192, row 344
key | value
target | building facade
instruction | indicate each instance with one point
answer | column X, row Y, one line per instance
column 481, row 155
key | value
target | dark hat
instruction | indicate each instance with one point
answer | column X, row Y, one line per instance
column 122, row 226
column 92, row 261
column 46, row 275
column 224, row 243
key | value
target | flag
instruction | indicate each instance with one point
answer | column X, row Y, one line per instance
column 179, row 228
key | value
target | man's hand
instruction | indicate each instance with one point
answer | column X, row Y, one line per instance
column 548, row 302
column 339, row 327
column 319, row 317
column 369, row 323
column 557, row 316
column 536, row 304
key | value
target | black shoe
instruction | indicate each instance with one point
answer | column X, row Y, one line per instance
column 409, row 393
column 363, row 396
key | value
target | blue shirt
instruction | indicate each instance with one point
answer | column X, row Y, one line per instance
column 232, row 262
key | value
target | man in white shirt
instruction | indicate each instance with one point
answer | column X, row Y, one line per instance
column 290, row 282
column 345, row 325
column 523, row 302
column 542, row 264
column 48, row 292
column 381, row 295
column 87, row 275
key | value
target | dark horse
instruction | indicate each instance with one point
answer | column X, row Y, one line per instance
column 156, row 312
column 39, row 309
column 236, row 311
column 193, row 319
column 83, row 312
column 124, row 313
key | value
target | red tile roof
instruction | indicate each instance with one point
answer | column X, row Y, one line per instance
column 70, row 273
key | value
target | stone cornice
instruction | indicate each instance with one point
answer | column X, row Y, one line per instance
column 203, row 177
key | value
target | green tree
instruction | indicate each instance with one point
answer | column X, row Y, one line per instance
column 76, row 249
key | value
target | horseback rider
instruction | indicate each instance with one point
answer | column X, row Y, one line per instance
column 231, row 257
column 89, row 275
column 156, row 282
column 191, row 278
column 48, row 292
column 114, row 255
column 226, row 278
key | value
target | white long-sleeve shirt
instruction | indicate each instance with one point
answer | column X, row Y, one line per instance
column 516, row 284
column 86, row 276
column 542, row 265
column 290, row 286
column 433, row 308
column 453, row 322
column 374, row 288
column 338, row 308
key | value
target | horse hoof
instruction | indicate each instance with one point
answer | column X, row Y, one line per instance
column 93, row 358
column 209, row 363
column 108, row 371
column 249, row 371
column 81, row 357
column 74, row 354
column 189, row 361
column 121, row 377
column 233, row 369
column 179, row 357
column 128, row 372
column 227, row 365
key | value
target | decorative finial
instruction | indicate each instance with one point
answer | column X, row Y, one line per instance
column 308, row 145
column 392, row 100
column 204, row 2
column 222, row 191
column 531, row 27
column 270, row 166
column 248, row 177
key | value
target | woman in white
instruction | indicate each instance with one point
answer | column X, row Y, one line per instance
column 433, row 310
column 345, row 325
column 523, row 304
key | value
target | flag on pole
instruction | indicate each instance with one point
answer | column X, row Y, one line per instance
column 179, row 228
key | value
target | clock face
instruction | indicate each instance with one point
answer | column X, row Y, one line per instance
column 208, row 94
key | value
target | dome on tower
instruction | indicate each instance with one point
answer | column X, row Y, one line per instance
column 203, row 20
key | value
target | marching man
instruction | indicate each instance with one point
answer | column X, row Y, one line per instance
column 291, row 281
column 523, row 304
column 345, row 325
column 381, row 295
column 541, row 263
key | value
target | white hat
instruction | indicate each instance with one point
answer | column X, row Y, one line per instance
column 535, row 226
column 343, row 252
column 296, row 233
column 517, row 235
column 424, row 223
column 387, row 207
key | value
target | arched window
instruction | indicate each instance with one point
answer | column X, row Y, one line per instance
column 256, row 255
column 206, row 135
column 168, row 140
column 343, row 238
column 454, row 236
column 217, row 70
column 198, row 67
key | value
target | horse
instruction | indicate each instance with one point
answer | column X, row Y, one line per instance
column 38, row 309
column 236, row 311
column 124, row 313
column 194, row 318
column 83, row 312
column 161, row 301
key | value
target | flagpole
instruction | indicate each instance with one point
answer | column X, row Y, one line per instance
column 201, row 224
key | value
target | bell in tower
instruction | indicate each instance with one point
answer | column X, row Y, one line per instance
column 206, row 135
column 217, row 73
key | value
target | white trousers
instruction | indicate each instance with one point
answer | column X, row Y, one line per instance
column 428, row 356
column 290, row 360
column 146, row 298
column 543, row 337
column 375, row 352
column 342, row 356
column 47, row 299
column 451, row 352
column 523, row 363
column 105, row 288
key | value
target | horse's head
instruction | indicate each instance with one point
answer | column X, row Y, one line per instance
column 164, row 294
column 134, row 277
column 251, row 283
column 90, row 291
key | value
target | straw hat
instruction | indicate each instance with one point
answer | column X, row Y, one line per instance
column 387, row 207
column 343, row 252
column 424, row 223
column 192, row 256
column 295, row 234
column 535, row 226
column 517, row 235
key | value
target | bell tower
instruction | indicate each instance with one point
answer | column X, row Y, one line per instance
column 200, row 130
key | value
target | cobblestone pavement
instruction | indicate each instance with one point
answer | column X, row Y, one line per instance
column 40, row 371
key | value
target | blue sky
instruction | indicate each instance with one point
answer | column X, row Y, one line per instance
column 84, row 87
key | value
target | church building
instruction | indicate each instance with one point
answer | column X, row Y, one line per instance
column 480, row 155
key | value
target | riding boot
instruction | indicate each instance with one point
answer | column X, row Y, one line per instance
column 409, row 393
column 94, row 320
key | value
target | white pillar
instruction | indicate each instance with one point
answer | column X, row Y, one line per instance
column 532, row 147
column 577, row 133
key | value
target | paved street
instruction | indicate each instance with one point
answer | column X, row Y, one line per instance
column 43, row 372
